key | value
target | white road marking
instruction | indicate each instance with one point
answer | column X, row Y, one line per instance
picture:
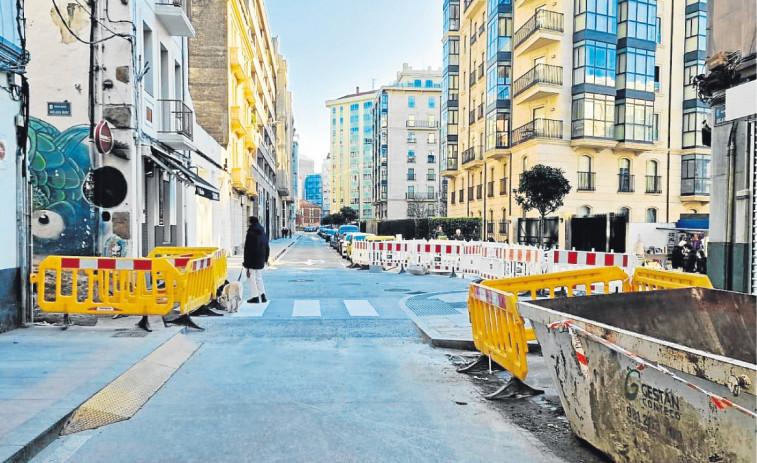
column 67, row 449
column 247, row 309
column 360, row 308
column 307, row 308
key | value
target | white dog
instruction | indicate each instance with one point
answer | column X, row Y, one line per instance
column 231, row 296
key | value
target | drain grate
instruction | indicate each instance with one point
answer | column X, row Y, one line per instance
column 130, row 334
column 425, row 307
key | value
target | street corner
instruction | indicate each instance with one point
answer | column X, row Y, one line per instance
column 441, row 318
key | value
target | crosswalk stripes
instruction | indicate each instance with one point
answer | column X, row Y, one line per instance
column 307, row 308
column 360, row 308
column 247, row 309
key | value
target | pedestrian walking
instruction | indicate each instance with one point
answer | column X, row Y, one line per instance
column 676, row 259
column 256, row 252
column 689, row 260
column 701, row 262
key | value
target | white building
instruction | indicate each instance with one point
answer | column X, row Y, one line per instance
column 326, row 185
column 406, row 146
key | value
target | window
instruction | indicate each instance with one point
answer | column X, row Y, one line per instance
column 411, row 137
column 367, row 105
column 692, row 126
column 651, row 215
column 658, row 30
column 354, row 107
column 634, row 119
column 695, row 174
column 417, row 83
column 593, row 115
column 498, row 82
column 654, row 181
column 637, row 18
column 411, row 191
column 594, row 63
column 656, row 127
column 636, row 70
column 411, row 154
column 624, row 212
column 696, row 30
column 432, row 102
column 691, row 69
column 354, row 119
column 585, row 174
column 584, row 211
column 431, row 175
column 625, row 179
column 148, row 45
column 497, row 129
column 431, row 138
column 367, row 117
column 429, row 84
column 411, row 174
column 500, row 33
column 430, row 192
column 411, row 101
column 599, row 15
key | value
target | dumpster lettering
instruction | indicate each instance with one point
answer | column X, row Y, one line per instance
column 652, row 398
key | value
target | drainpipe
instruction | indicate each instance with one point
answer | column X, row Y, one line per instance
column 670, row 118
column 729, row 228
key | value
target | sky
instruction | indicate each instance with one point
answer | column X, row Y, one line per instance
column 333, row 46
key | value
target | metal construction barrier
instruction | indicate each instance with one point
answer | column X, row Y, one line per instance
column 360, row 254
column 562, row 260
column 499, row 332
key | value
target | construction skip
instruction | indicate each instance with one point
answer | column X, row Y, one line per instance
column 660, row 376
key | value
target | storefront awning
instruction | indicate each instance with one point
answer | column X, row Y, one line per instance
column 202, row 187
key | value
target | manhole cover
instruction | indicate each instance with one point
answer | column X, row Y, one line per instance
column 416, row 292
column 130, row 334
column 396, row 290
column 424, row 307
column 301, row 281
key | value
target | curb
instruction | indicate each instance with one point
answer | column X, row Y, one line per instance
column 38, row 440
column 442, row 343
column 286, row 248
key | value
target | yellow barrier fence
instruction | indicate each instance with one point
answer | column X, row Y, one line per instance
column 647, row 279
column 198, row 285
column 99, row 285
column 218, row 256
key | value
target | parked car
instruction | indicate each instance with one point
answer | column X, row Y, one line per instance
column 329, row 234
column 343, row 230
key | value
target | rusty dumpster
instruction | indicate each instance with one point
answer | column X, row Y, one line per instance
column 661, row 376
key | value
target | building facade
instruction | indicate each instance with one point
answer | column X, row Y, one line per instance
column 306, row 167
column 285, row 144
column 15, row 204
column 234, row 49
column 594, row 88
column 351, row 149
column 314, row 189
column 326, row 185
column 311, row 215
column 406, row 145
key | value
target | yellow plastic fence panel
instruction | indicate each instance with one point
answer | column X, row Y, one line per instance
column 586, row 279
column 197, row 285
column 173, row 251
column 647, row 279
column 182, row 255
column 498, row 329
column 100, row 285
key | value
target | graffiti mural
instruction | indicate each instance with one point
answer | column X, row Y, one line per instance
column 63, row 221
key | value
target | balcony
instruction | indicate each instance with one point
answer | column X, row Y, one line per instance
column 503, row 186
column 177, row 125
column 236, row 63
column 479, row 191
column 537, row 128
column 481, row 73
column 236, row 121
column 412, row 140
column 420, row 196
column 174, row 15
column 411, row 159
column 422, row 124
column 625, row 183
column 542, row 29
column 239, row 178
column 481, row 111
column 252, row 187
column 282, row 183
column 249, row 93
column 504, row 227
column 431, row 177
column 449, row 168
column 586, row 181
column 542, row 80
column 473, row 156
column 654, row 184
column 251, row 141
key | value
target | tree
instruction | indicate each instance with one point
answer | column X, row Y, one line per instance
column 337, row 219
column 349, row 214
column 542, row 188
column 327, row 220
column 417, row 209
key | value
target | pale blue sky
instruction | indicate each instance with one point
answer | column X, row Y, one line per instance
column 333, row 46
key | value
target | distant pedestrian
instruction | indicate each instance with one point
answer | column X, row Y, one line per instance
column 689, row 260
column 701, row 262
column 458, row 235
column 676, row 259
column 438, row 233
column 490, row 239
column 256, row 253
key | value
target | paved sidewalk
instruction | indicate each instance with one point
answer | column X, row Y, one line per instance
column 47, row 373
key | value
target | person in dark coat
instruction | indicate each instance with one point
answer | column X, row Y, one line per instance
column 676, row 259
column 690, row 260
column 701, row 262
column 256, row 253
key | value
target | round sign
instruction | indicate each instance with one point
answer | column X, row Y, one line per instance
column 103, row 138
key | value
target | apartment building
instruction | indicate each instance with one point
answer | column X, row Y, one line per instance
column 232, row 76
column 314, row 189
column 326, row 185
column 601, row 89
column 351, row 149
column 406, row 145
column 284, row 144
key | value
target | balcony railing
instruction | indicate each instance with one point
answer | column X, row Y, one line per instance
column 422, row 124
column 475, row 153
column 539, row 74
column 541, row 20
column 411, row 159
column 654, row 184
column 412, row 140
column 481, row 71
column 174, row 14
column 504, row 226
column 481, row 111
column 479, row 191
column 430, row 177
column 490, row 189
column 537, row 128
column 481, row 29
column 503, row 186
column 625, row 183
column 411, row 176
column 420, row 196
column 586, row 181
column 176, row 118
column 473, row 37
column 471, row 117
column 451, row 164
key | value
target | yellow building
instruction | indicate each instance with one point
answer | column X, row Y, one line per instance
column 233, row 84
column 597, row 91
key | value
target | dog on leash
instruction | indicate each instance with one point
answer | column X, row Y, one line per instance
column 231, row 297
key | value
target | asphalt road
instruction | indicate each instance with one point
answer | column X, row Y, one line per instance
column 331, row 369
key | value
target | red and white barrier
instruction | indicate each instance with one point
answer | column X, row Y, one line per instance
column 562, row 260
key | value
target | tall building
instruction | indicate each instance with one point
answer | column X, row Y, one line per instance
column 306, row 167
column 595, row 88
column 232, row 77
column 314, row 189
column 296, row 164
column 351, row 148
column 15, row 262
column 284, row 144
column 731, row 88
column 406, row 145
column 326, row 185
